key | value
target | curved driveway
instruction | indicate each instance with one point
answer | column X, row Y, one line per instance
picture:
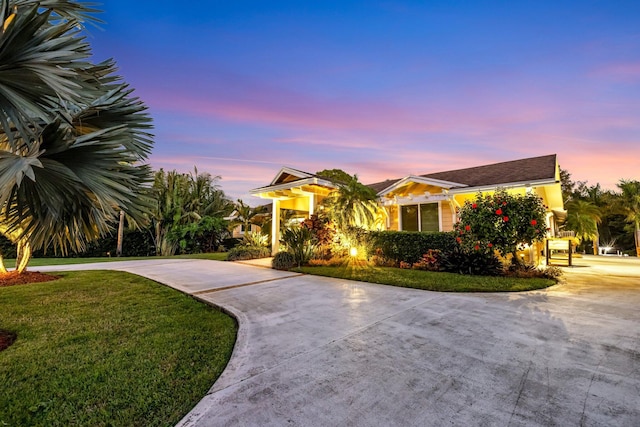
column 315, row 351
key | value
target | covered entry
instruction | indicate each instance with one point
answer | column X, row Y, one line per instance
column 295, row 190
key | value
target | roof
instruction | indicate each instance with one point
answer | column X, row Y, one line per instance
column 514, row 171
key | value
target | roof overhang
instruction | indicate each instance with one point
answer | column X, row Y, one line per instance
column 506, row 185
column 290, row 171
column 301, row 187
column 420, row 180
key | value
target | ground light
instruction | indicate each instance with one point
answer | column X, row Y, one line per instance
column 353, row 251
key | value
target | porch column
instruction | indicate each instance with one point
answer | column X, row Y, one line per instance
column 275, row 227
column 312, row 204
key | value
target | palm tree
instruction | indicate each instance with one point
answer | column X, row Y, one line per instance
column 183, row 199
column 353, row 204
column 72, row 138
column 630, row 206
column 583, row 218
column 246, row 215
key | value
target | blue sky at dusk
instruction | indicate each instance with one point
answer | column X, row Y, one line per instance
column 382, row 88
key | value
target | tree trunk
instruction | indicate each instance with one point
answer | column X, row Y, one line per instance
column 23, row 256
column 595, row 246
column 3, row 269
column 637, row 235
column 120, row 235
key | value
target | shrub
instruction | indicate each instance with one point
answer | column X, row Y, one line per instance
column 431, row 261
column 324, row 236
column 525, row 271
column 300, row 243
column 463, row 261
column 247, row 252
column 283, row 261
column 396, row 246
column 255, row 239
column 501, row 222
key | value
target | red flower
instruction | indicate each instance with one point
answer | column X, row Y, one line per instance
column 534, row 222
column 467, row 228
column 505, row 218
column 459, row 240
column 499, row 211
column 504, row 203
column 490, row 245
column 476, row 247
column 474, row 205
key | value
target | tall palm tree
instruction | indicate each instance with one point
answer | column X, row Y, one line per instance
column 630, row 206
column 583, row 218
column 73, row 139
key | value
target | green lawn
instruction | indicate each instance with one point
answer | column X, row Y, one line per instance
column 427, row 280
column 105, row 348
column 37, row 262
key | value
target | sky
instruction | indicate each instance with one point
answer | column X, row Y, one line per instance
column 381, row 89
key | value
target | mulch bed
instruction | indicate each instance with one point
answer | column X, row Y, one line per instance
column 12, row 278
column 6, row 339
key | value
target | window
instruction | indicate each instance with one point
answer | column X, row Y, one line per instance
column 429, row 220
column 410, row 218
column 420, row 217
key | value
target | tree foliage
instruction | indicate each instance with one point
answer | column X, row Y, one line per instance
column 501, row 222
column 73, row 138
column 583, row 217
column 352, row 204
column 188, row 206
column 629, row 204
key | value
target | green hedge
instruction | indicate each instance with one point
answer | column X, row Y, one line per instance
column 240, row 253
column 408, row 246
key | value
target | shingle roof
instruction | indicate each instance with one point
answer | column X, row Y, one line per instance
column 523, row 170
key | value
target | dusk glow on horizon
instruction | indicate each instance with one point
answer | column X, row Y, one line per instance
column 381, row 89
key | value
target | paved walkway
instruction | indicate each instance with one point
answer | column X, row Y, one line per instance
column 314, row 351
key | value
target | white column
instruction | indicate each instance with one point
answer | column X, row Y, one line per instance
column 312, row 204
column 275, row 227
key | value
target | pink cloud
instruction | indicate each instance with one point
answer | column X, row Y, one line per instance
column 629, row 71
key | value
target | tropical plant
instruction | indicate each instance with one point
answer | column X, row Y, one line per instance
column 283, row 261
column 182, row 202
column 72, row 137
column 300, row 243
column 501, row 222
column 583, row 217
column 630, row 206
column 353, row 204
column 247, row 215
column 255, row 239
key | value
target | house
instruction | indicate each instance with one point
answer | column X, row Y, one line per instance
column 427, row 202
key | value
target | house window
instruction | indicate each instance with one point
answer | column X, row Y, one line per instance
column 429, row 220
column 410, row 218
column 423, row 217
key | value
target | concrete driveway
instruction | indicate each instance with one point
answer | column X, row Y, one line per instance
column 314, row 351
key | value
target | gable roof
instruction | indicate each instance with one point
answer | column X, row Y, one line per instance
column 288, row 174
column 528, row 170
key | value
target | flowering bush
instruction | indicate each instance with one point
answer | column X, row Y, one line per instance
column 501, row 222
column 431, row 261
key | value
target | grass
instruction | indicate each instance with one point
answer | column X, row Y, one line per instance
column 428, row 280
column 37, row 262
column 107, row 348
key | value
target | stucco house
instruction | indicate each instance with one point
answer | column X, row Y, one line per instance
column 425, row 202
